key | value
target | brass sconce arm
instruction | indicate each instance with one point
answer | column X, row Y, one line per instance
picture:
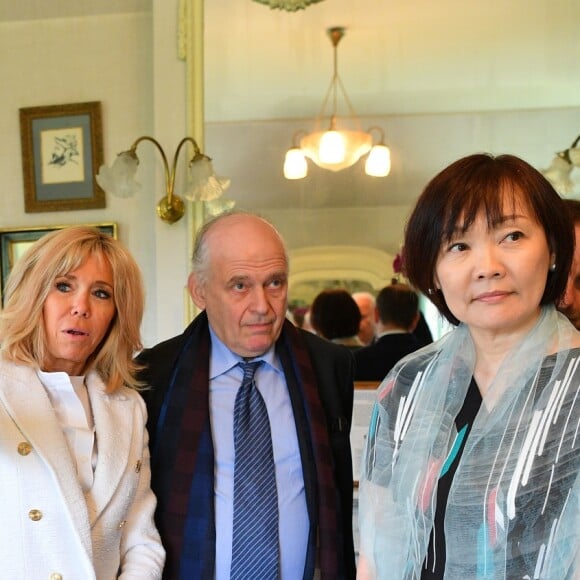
column 170, row 208
column 119, row 179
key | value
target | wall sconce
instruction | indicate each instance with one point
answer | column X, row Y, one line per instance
column 337, row 147
column 560, row 170
column 203, row 184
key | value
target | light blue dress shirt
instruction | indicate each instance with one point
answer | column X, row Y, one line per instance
column 225, row 379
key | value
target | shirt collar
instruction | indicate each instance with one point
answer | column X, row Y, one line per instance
column 59, row 380
column 387, row 332
column 223, row 359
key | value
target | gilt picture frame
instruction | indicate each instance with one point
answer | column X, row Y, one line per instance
column 62, row 149
column 15, row 241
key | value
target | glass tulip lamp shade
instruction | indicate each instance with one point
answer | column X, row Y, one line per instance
column 558, row 174
column 203, row 183
column 119, row 179
column 378, row 163
column 574, row 155
column 295, row 165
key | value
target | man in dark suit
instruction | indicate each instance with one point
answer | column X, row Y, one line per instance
column 239, row 281
column 397, row 314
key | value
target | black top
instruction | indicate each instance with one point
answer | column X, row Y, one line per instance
column 434, row 565
column 373, row 362
column 422, row 332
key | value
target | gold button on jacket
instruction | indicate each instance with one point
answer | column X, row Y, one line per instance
column 35, row 515
column 24, row 448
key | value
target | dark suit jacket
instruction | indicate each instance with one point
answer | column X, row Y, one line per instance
column 373, row 362
column 333, row 366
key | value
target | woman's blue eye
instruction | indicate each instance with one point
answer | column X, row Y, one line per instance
column 62, row 286
column 102, row 294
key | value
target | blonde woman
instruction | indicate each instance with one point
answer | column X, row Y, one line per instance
column 74, row 461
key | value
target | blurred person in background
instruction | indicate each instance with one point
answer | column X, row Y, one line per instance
column 366, row 304
column 397, row 313
column 335, row 316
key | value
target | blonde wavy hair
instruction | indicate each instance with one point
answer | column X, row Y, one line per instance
column 22, row 333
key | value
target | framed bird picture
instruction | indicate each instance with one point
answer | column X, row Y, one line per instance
column 62, row 147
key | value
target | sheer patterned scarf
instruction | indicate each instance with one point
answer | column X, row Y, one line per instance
column 513, row 509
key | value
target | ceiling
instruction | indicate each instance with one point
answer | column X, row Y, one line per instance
column 11, row 10
column 397, row 57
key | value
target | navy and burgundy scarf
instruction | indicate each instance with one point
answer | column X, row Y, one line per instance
column 185, row 491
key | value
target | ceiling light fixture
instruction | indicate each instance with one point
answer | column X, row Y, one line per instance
column 559, row 174
column 343, row 143
column 203, row 184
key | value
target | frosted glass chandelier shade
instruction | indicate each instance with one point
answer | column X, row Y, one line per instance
column 336, row 150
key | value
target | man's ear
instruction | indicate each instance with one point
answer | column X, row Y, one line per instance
column 196, row 291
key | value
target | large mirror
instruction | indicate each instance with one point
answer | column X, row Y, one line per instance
column 442, row 79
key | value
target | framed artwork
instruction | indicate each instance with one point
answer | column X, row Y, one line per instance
column 62, row 149
column 15, row 241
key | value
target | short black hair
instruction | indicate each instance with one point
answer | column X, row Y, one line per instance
column 573, row 206
column 335, row 314
column 397, row 304
column 477, row 183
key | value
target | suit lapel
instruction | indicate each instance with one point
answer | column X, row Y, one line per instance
column 114, row 430
column 26, row 401
column 306, row 451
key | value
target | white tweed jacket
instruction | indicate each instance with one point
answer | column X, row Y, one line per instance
column 49, row 527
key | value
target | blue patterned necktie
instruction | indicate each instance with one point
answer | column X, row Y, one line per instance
column 255, row 548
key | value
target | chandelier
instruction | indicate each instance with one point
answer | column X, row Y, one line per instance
column 559, row 174
column 288, row 5
column 343, row 142
column 202, row 185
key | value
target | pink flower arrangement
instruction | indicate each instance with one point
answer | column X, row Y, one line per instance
column 398, row 263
